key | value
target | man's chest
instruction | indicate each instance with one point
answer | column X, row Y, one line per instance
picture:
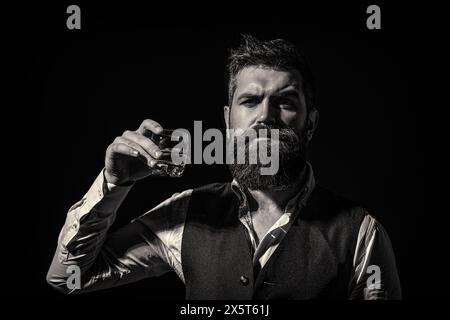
column 264, row 220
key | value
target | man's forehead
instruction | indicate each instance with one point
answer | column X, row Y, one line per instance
column 256, row 79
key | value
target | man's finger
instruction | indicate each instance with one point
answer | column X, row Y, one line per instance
column 150, row 125
column 147, row 144
column 124, row 149
column 143, row 154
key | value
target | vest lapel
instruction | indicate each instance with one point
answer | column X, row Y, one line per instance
column 301, row 266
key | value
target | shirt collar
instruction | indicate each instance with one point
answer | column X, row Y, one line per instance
column 298, row 200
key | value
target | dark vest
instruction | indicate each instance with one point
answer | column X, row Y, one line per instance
column 313, row 261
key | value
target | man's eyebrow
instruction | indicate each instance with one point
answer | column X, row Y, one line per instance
column 288, row 92
column 248, row 95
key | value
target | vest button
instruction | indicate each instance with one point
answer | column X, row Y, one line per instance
column 244, row 280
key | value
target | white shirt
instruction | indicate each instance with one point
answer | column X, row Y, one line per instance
column 151, row 244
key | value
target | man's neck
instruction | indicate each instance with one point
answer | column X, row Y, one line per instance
column 260, row 200
column 267, row 206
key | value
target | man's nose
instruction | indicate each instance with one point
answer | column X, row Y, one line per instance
column 266, row 114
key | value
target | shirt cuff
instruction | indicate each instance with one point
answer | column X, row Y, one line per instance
column 105, row 197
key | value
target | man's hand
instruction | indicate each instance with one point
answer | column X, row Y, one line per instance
column 132, row 155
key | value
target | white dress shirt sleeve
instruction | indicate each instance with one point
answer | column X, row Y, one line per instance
column 149, row 246
column 375, row 271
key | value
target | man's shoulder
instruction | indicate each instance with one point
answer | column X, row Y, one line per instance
column 213, row 204
column 213, row 188
column 213, row 193
column 337, row 218
column 324, row 203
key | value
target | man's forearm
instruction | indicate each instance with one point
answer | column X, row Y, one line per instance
column 84, row 232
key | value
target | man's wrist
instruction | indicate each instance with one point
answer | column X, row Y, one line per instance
column 113, row 180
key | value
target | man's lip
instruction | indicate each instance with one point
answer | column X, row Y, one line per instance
column 261, row 139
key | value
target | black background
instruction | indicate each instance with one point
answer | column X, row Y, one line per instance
column 378, row 140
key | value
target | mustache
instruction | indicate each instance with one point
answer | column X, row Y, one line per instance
column 285, row 133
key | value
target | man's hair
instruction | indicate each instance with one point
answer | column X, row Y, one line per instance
column 277, row 54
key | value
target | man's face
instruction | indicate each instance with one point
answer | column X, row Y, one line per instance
column 267, row 98
column 265, row 95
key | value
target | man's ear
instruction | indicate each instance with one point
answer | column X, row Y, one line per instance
column 226, row 116
column 313, row 122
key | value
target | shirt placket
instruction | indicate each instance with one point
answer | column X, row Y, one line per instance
column 246, row 220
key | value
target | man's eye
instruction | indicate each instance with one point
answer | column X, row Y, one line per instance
column 286, row 104
column 249, row 102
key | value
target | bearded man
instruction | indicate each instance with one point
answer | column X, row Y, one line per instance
column 276, row 236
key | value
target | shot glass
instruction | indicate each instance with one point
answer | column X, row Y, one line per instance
column 167, row 141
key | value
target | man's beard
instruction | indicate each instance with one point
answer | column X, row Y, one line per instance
column 292, row 161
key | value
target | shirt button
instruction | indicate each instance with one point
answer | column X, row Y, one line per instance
column 244, row 280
